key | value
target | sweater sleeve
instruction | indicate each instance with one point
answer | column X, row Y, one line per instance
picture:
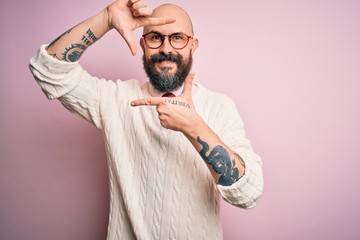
column 247, row 190
column 77, row 90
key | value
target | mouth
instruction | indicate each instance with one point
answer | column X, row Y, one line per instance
column 166, row 66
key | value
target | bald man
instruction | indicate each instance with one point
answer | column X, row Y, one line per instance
column 173, row 146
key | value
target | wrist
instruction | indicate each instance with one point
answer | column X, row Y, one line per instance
column 105, row 19
column 194, row 127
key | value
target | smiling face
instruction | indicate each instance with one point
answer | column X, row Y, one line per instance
column 166, row 66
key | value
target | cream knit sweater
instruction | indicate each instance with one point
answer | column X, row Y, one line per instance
column 159, row 185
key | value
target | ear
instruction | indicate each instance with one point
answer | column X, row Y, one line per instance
column 142, row 44
column 194, row 45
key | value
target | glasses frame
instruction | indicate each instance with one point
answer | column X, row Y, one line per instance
column 169, row 39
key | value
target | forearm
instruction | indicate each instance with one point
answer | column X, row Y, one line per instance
column 225, row 165
column 70, row 45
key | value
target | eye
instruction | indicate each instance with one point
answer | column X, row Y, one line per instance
column 155, row 37
column 178, row 37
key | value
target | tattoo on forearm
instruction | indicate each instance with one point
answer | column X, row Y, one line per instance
column 91, row 35
column 221, row 162
column 177, row 102
column 54, row 56
column 57, row 39
column 89, row 38
column 73, row 53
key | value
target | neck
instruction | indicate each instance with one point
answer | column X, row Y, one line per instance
column 156, row 93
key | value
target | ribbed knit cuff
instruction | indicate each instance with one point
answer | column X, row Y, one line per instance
column 55, row 77
column 248, row 189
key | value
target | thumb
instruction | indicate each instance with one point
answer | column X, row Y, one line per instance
column 188, row 84
column 126, row 34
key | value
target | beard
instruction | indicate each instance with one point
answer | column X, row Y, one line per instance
column 165, row 81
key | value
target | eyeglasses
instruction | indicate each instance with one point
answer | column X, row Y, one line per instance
column 155, row 40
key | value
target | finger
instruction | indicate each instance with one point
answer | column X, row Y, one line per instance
column 139, row 8
column 131, row 2
column 188, row 84
column 153, row 101
column 137, row 5
column 142, row 12
column 154, row 21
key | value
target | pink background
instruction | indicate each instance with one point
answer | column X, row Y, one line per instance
column 292, row 67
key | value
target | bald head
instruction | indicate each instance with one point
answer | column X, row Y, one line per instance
column 182, row 24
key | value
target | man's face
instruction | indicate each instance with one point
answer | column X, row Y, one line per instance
column 167, row 71
column 166, row 66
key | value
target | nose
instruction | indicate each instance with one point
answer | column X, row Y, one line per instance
column 166, row 46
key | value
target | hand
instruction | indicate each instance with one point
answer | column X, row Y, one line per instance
column 177, row 113
column 128, row 15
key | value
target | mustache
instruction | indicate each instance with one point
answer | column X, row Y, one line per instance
column 165, row 57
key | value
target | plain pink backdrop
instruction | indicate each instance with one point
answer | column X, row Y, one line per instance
column 292, row 67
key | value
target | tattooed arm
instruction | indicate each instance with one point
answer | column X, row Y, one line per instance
column 226, row 166
column 123, row 15
column 179, row 114
column 70, row 45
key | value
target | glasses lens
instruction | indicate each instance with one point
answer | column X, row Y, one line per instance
column 178, row 40
column 153, row 40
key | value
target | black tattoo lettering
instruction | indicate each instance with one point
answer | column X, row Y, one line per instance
column 220, row 161
column 85, row 40
column 89, row 38
column 73, row 53
column 177, row 102
column 91, row 35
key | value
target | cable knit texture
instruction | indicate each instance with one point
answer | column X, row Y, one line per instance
column 160, row 188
